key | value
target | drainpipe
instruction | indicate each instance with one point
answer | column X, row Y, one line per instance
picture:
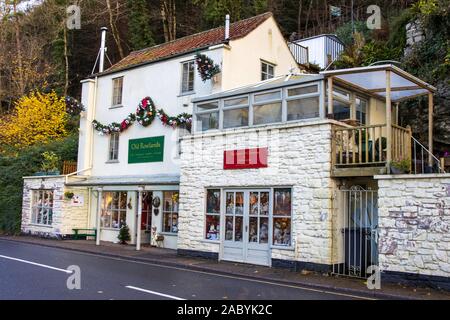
column 99, row 209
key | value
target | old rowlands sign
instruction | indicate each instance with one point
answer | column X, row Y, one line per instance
column 146, row 150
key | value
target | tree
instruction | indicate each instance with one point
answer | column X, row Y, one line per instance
column 124, row 234
column 169, row 19
column 38, row 118
column 139, row 25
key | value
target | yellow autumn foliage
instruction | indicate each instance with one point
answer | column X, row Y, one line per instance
column 37, row 118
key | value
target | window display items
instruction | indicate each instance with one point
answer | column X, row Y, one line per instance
column 212, row 227
column 282, row 231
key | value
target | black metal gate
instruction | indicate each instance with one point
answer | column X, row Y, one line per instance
column 356, row 232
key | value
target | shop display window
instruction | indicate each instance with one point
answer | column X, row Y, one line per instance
column 170, row 211
column 282, row 217
column 212, row 226
column 114, row 210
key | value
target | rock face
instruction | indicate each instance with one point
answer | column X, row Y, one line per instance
column 414, row 35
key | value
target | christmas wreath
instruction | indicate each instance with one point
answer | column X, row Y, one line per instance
column 206, row 67
column 145, row 112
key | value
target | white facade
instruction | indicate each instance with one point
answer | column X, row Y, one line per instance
column 105, row 180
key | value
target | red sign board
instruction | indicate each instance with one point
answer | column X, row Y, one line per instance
column 245, row 159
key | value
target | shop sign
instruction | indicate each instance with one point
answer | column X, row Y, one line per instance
column 245, row 159
column 146, row 150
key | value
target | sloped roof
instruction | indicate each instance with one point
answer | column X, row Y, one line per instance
column 190, row 43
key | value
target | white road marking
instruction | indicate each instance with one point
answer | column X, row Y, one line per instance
column 155, row 293
column 37, row 264
column 299, row 287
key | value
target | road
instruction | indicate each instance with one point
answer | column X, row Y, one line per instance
column 36, row 272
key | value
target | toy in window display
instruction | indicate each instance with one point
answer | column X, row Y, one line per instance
column 229, row 229
column 212, row 233
column 254, row 204
column 253, row 235
column 264, row 232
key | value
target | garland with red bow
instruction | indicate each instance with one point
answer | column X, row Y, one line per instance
column 145, row 114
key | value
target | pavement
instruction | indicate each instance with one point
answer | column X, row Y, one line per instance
column 207, row 279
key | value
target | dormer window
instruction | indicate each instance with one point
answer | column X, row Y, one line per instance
column 267, row 70
column 187, row 80
column 117, row 91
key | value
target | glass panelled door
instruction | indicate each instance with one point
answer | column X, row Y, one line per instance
column 246, row 217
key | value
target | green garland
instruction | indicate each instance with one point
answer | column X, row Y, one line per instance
column 145, row 114
column 206, row 67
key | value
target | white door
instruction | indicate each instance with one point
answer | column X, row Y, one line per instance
column 246, row 233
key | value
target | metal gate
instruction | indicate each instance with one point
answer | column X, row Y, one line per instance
column 355, row 238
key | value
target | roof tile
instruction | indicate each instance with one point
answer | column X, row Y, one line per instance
column 190, row 43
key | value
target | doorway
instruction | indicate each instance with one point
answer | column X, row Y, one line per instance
column 246, row 216
column 146, row 218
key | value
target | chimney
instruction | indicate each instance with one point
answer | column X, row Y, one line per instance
column 102, row 50
column 227, row 27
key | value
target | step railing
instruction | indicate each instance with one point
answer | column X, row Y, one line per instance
column 423, row 161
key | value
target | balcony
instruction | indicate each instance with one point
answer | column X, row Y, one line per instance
column 366, row 150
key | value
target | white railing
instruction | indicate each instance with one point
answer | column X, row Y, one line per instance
column 421, row 157
column 299, row 52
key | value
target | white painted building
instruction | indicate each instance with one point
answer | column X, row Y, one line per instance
column 281, row 167
column 116, row 178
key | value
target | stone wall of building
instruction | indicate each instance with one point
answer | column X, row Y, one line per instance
column 66, row 215
column 414, row 224
column 299, row 155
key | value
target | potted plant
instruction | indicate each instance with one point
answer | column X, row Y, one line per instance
column 69, row 195
column 400, row 167
column 124, row 234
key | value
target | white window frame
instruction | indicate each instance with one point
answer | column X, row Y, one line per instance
column 116, row 98
column 36, row 207
column 120, row 211
column 265, row 70
column 215, row 110
column 362, row 98
column 288, row 98
column 182, row 88
column 164, row 212
column 252, row 103
column 213, row 214
column 264, row 102
column 273, row 217
column 238, row 106
column 113, row 147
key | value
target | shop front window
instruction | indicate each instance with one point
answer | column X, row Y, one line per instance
column 170, row 211
column 259, row 217
column 42, row 207
column 234, row 216
column 212, row 226
column 282, row 217
column 114, row 210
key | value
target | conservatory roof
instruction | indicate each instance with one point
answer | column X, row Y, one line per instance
column 372, row 80
column 273, row 83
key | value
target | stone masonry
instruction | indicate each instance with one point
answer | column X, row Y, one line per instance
column 299, row 156
column 414, row 224
column 66, row 216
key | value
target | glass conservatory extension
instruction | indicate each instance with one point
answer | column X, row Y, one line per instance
column 363, row 102
column 277, row 100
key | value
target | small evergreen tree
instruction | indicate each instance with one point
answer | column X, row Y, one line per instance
column 124, row 234
column 139, row 25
